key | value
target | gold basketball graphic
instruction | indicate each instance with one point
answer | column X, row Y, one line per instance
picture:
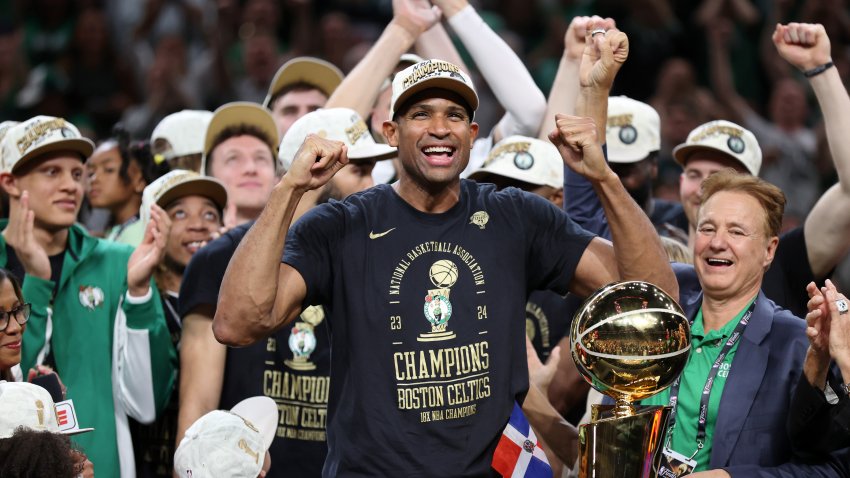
column 443, row 273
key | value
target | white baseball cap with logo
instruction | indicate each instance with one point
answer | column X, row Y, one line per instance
column 179, row 183
column 224, row 444
column 431, row 74
column 30, row 406
column 726, row 137
column 633, row 130
column 525, row 159
column 185, row 132
column 338, row 124
column 40, row 135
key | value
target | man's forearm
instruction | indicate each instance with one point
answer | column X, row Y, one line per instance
column 638, row 249
column 562, row 97
column 815, row 369
column 835, row 106
column 592, row 102
column 246, row 300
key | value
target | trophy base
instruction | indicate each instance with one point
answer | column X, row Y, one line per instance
column 300, row 365
column 435, row 336
column 628, row 447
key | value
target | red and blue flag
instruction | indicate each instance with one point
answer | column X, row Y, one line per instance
column 518, row 453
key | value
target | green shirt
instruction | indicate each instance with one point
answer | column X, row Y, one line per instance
column 705, row 347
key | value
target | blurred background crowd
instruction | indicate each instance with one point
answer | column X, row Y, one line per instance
column 98, row 62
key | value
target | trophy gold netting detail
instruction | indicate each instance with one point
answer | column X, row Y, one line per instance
column 629, row 340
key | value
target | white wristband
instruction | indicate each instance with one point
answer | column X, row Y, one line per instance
column 139, row 300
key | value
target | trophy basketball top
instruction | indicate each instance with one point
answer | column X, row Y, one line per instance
column 630, row 340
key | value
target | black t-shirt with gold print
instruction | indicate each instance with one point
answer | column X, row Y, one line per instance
column 291, row 366
column 427, row 317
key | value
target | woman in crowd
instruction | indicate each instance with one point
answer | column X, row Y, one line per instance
column 118, row 172
column 14, row 313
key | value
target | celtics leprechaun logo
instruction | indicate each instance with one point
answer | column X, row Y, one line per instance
column 302, row 339
column 438, row 308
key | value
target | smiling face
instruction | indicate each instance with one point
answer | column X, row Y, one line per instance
column 193, row 220
column 246, row 166
column 732, row 249
column 10, row 339
column 434, row 135
column 55, row 186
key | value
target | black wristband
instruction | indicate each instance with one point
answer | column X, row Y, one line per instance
column 818, row 69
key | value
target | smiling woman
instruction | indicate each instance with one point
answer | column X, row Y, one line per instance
column 14, row 314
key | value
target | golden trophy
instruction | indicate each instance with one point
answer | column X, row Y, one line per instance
column 630, row 340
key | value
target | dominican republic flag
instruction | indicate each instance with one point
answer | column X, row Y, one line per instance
column 518, row 453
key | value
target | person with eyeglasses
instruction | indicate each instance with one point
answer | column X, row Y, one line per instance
column 14, row 313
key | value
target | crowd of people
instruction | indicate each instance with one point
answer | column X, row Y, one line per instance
column 256, row 263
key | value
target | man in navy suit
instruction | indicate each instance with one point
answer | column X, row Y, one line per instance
column 731, row 403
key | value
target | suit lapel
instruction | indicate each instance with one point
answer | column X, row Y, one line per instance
column 745, row 378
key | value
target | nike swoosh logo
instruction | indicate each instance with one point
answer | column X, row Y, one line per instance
column 372, row 235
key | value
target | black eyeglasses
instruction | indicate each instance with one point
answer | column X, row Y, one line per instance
column 21, row 314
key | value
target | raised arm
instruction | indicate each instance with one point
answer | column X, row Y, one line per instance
column 565, row 88
column 259, row 294
column 827, row 228
column 505, row 73
column 361, row 86
column 636, row 252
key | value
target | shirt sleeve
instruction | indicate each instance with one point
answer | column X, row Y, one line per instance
column 556, row 244
column 309, row 244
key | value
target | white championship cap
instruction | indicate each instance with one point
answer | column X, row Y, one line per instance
column 325, row 76
column 179, row 183
column 185, row 132
column 524, row 159
column 633, row 130
column 40, row 135
column 338, row 124
column 233, row 115
column 431, row 74
column 726, row 137
column 223, row 444
column 30, row 406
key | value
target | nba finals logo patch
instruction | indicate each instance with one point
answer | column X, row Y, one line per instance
column 438, row 308
column 480, row 219
column 302, row 339
column 90, row 297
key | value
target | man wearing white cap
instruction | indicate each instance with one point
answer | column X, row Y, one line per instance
column 179, row 139
column 104, row 331
column 301, row 85
column 425, row 282
column 298, row 353
column 224, row 444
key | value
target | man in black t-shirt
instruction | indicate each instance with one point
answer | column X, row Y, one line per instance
column 412, row 395
column 292, row 365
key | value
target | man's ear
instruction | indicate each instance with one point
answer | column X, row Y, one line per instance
column 473, row 132
column 390, row 129
column 10, row 185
